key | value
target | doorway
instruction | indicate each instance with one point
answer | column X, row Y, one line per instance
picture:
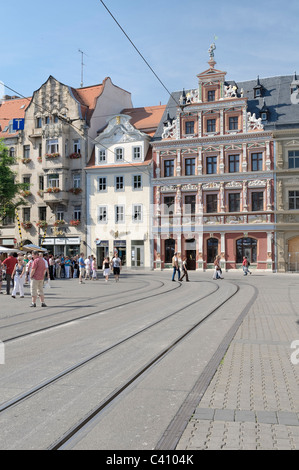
column 137, row 255
column 191, row 260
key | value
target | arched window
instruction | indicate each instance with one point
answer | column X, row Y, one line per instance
column 247, row 247
column 169, row 249
column 212, row 249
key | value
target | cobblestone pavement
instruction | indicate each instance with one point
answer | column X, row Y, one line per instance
column 252, row 401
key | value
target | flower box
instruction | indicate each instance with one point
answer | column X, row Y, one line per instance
column 57, row 223
column 26, row 225
column 26, row 160
column 52, row 190
column 75, row 190
column 75, row 155
column 52, row 155
column 26, row 193
column 42, row 224
column 75, row 223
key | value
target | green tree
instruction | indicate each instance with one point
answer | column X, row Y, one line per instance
column 10, row 189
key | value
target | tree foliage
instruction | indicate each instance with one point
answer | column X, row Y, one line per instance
column 10, row 189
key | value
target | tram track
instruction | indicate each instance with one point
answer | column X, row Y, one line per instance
column 76, row 318
column 117, row 391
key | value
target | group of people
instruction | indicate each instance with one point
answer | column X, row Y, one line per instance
column 20, row 269
column 217, row 267
column 87, row 267
column 37, row 267
column 176, row 264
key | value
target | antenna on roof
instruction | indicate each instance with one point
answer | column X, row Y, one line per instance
column 82, row 65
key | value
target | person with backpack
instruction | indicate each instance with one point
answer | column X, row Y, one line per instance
column 246, row 265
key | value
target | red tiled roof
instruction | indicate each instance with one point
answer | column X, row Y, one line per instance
column 87, row 97
column 9, row 110
column 145, row 119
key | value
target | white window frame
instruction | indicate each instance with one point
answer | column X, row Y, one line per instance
column 137, row 153
column 102, row 214
column 120, row 183
column 77, row 145
column 137, row 179
column 137, row 209
column 102, row 155
column 77, row 180
column 101, row 183
column 119, row 214
column 53, row 182
column 119, row 154
column 52, row 146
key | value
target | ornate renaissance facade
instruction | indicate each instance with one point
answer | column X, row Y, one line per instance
column 51, row 151
column 213, row 180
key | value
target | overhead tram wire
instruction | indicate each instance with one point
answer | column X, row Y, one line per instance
column 137, row 50
column 66, row 121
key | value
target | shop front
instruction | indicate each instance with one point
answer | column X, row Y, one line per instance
column 62, row 246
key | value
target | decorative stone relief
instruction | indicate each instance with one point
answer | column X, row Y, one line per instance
column 254, row 123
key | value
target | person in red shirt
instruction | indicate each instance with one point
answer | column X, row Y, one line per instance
column 10, row 263
column 37, row 279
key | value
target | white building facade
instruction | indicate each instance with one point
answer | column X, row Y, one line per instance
column 119, row 195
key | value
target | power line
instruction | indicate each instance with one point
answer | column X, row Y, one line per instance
column 137, row 50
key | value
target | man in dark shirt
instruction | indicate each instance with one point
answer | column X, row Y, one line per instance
column 10, row 263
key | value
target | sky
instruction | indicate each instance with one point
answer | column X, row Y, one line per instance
column 40, row 39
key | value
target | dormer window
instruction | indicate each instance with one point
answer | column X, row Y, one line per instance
column 264, row 112
column 258, row 89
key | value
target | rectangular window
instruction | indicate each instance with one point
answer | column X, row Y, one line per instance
column 256, row 162
column 26, row 179
column 190, row 205
column 38, row 122
column 233, row 123
column 77, row 180
column 211, row 165
column 77, row 213
column 189, row 166
column 233, row 161
column 293, row 159
column 77, row 146
column 102, row 155
column 26, row 151
column 52, row 146
column 211, row 125
column 168, row 168
column 137, row 213
column 189, row 127
column 211, row 95
column 234, row 202
column 293, row 200
column 59, row 213
column 212, row 203
column 168, row 205
column 26, row 214
column 119, row 154
column 257, row 201
column 53, row 181
column 119, row 183
column 41, row 183
column 137, row 181
column 103, row 216
column 119, row 214
column 102, row 184
column 42, row 213
column 136, row 153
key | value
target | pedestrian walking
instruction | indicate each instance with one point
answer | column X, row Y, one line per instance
column 28, row 269
column 116, row 265
column 9, row 264
column 37, row 279
column 81, row 264
column 106, row 268
column 19, row 274
column 185, row 270
column 67, row 267
column 93, row 268
column 217, row 271
column 176, row 266
column 246, row 265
